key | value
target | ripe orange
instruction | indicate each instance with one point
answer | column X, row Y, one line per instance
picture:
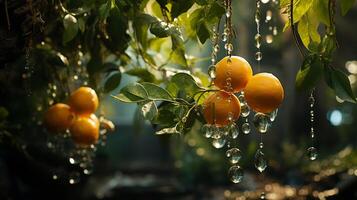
column 84, row 100
column 235, row 72
column 220, row 107
column 264, row 92
column 85, row 130
column 58, row 117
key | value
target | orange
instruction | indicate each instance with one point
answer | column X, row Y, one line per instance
column 235, row 72
column 85, row 130
column 219, row 107
column 84, row 100
column 264, row 93
column 58, row 117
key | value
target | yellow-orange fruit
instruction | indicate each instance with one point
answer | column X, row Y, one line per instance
column 84, row 100
column 221, row 108
column 264, row 93
column 232, row 75
column 85, row 130
column 58, row 117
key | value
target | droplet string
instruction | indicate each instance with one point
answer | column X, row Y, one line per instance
column 258, row 37
column 312, row 151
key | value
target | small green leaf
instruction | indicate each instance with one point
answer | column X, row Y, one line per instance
column 346, row 5
column 339, row 82
column 214, row 13
column 160, row 29
column 141, row 25
column 179, row 7
column 70, row 24
column 309, row 73
column 202, row 32
column 148, row 109
column 133, row 92
column 300, row 9
column 183, row 83
column 112, row 82
column 142, row 73
column 157, row 93
column 81, row 24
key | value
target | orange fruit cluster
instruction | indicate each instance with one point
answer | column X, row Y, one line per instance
column 78, row 116
column 263, row 92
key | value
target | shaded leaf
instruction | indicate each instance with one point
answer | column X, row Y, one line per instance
column 183, row 83
column 202, row 32
column 180, row 6
column 70, row 24
column 346, row 5
column 157, row 93
column 81, row 24
column 112, row 82
column 133, row 92
column 339, row 82
column 309, row 73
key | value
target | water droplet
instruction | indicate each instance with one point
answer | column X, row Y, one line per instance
column 55, row 177
column 207, row 130
column 257, row 17
column 224, row 37
column 244, row 110
column 219, row 143
column 234, row 155
column 216, row 132
column 273, row 115
column 262, row 195
column 216, row 48
column 74, row 177
column 212, row 71
column 261, row 122
column 275, row 30
column 233, row 131
column 258, row 56
column 235, row 174
column 312, row 153
column 258, row 40
column 265, row 1
column 72, row 160
column 246, row 128
column 269, row 39
column 268, row 15
column 260, row 162
column 228, row 13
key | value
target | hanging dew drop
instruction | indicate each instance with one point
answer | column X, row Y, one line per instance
column 262, row 195
column 224, row 37
column 312, row 153
column 258, row 56
column 233, row 131
column 219, row 143
column 258, row 40
column 212, row 72
column 234, row 155
column 235, row 174
column 207, row 130
column 273, row 115
column 261, row 122
column 246, row 128
column 216, row 132
column 244, row 110
column 265, row 1
column 269, row 39
column 74, row 178
column 260, row 162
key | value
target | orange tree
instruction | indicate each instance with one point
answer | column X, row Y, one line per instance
column 56, row 43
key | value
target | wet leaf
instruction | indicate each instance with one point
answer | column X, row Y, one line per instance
column 71, row 27
column 133, row 92
column 112, row 82
column 157, row 93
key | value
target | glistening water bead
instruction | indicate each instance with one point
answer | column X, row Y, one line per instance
column 235, row 174
column 212, row 72
column 234, row 155
column 219, row 143
column 207, row 130
column 246, row 128
column 244, row 110
column 261, row 122
column 233, row 131
column 260, row 162
column 258, row 56
column 312, row 153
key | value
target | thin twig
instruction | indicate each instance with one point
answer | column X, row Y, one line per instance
column 293, row 29
column 7, row 16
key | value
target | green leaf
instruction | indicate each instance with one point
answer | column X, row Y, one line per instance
column 346, row 5
column 214, row 13
column 133, row 92
column 3, row 113
column 167, row 116
column 201, row 2
column 309, row 73
column 81, row 24
column 300, row 9
column 339, row 82
column 112, row 82
column 160, row 29
column 183, row 83
column 157, row 93
column 319, row 11
column 202, row 32
column 307, row 29
column 148, row 109
column 180, row 6
column 104, row 10
column 142, row 73
column 178, row 48
column 141, row 25
column 70, row 24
